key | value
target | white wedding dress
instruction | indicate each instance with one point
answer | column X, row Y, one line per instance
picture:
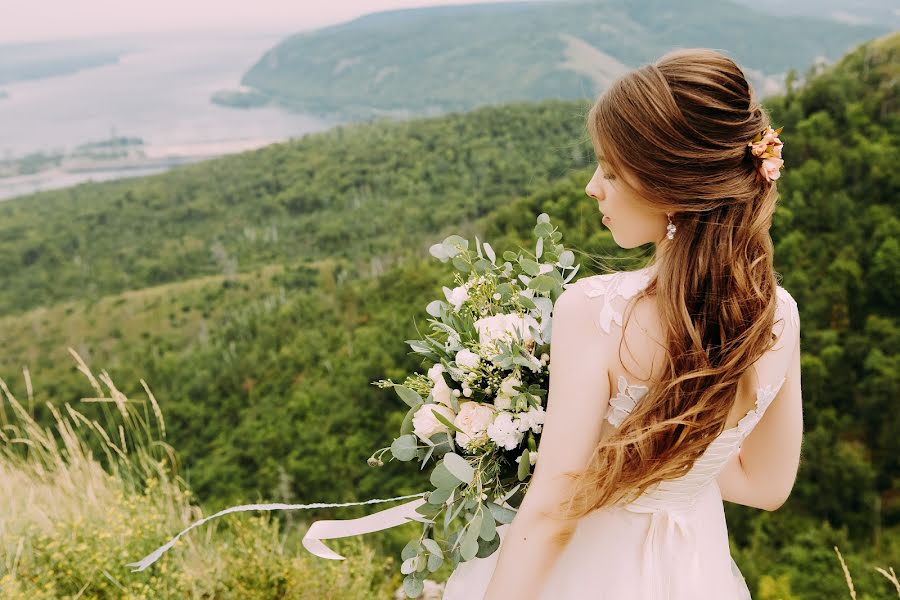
column 672, row 542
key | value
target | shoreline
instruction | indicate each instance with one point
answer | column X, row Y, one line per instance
column 153, row 160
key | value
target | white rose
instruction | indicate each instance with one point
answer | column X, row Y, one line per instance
column 441, row 392
column 502, row 327
column 467, row 358
column 533, row 419
column 504, row 431
column 456, row 296
column 506, row 388
column 502, row 402
column 473, row 419
column 425, row 424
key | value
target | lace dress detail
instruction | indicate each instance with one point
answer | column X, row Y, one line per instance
column 671, row 542
column 623, row 403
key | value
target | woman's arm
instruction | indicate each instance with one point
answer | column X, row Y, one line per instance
column 577, row 401
column 762, row 473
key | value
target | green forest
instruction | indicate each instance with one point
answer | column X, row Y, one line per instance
column 259, row 295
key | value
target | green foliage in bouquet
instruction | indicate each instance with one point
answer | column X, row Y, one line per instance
column 477, row 414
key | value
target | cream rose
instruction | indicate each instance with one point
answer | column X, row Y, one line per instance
column 473, row 419
column 425, row 424
column 503, row 327
column 467, row 358
column 771, row 168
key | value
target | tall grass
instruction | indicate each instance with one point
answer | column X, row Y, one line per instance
column 890, row 575
column 80, row 500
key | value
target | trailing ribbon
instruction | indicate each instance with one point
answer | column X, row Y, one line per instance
column 320, row 530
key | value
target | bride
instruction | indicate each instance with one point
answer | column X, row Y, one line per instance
column 673, row 387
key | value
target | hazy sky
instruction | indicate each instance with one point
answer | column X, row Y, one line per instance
column 23, row 20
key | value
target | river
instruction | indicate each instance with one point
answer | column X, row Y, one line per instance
column 160, row 93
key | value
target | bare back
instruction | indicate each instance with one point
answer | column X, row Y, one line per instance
column 640, row 363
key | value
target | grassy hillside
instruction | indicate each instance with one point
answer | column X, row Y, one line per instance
column 274, row 399
column 431, row 60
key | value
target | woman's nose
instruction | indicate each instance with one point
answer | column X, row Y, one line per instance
column 592, row 191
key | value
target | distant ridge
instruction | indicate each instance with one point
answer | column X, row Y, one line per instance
column 426, row 61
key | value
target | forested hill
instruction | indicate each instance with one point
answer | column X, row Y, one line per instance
column 315, row 270
column 430, row 60
column 382, row 189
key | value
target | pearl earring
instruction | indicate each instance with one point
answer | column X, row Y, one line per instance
column 670, row 228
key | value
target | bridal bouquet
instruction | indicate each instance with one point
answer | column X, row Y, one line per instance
column 475, row 419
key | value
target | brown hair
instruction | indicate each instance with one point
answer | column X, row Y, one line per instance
column 680, row 128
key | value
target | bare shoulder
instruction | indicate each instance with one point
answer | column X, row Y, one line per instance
column 787, row 315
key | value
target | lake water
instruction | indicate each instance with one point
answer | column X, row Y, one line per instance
column 160, row 93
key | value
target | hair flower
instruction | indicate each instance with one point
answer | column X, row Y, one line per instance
column 766, row 147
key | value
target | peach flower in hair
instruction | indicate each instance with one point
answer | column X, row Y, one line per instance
column 767, row 147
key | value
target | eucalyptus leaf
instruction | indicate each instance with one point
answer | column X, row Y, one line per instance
column 407, row 425
column 489, row 252
column 441, row 478
column 413, row 586
column 432, row 546
column 469, row 548
column 501, row 514
column 543, row 230
column 543, row 283
column 539, row 248
column 439, row 252
column 409, row 565
column 459, row 467
column 434, row 562
column 487, row 547
column 543, row 218
column 474, row 529
column 407, row 395
column 429, row 510
column 488, row 525
column 439, row 496
column 410, row 549
column 425, row 458
column 529, row 266
column 453, row 244
column 418, row 346
column 461, row 264
column 434, row 308
column 526, row 301
column 483, row 266
column 524, row 466
column 404, row 447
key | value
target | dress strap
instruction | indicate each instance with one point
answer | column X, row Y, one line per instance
column 611, row 291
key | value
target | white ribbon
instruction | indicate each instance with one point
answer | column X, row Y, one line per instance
column 320, row 530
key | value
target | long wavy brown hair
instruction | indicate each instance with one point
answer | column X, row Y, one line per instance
column 680, row 128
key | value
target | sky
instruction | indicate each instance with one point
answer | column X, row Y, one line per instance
column 21, row 20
